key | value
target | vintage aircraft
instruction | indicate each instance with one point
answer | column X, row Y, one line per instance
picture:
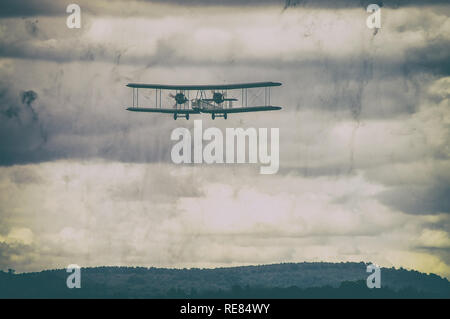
column 216, row 104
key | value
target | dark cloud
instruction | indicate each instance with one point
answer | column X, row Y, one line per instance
column 359, row 3
column 32, row 27
column 8, row 110
column 21, row 130
column 9, row 253
column 28, row 97
column 443, row 253
column 33, row 129
column 419, row 199
column 432, row 57
column 21, row 8
column 24, row 8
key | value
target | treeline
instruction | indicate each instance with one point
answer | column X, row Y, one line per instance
column 291, row 280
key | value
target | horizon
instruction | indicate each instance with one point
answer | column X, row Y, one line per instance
column 227, row 267
column 361, row 167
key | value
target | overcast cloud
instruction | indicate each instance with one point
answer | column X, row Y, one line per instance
column 364, row 136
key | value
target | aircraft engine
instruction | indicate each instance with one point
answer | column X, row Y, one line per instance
column 218, row 97
column 180, row 98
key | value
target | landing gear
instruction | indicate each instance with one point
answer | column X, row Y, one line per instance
column 175, row 116
column 213, row 116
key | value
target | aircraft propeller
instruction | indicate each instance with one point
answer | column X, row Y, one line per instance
column 180, row 98
column 218, row 97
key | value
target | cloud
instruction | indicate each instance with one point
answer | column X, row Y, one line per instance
column 298, row 39
column 24, row 8
column 77, row 116
column 357, row 3
column 364, row 136
column 206, row 221
column 21, row 127
column 419, row 200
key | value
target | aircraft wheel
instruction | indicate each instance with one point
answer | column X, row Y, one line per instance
column 225, row 116
column 213, row 116
column 187, row 116
column 174, row 116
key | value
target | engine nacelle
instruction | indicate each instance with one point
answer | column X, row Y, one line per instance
column 180, row 98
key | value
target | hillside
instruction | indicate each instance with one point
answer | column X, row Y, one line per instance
column 290, row 280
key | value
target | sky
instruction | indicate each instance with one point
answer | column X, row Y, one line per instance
column 364, row 135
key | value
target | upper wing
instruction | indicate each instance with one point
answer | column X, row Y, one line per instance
column 161, row 110
column 204, row 87
column 242, row 109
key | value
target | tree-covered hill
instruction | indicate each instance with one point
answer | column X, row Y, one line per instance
column 288, row 280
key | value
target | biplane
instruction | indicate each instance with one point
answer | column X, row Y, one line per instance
column 211, row 99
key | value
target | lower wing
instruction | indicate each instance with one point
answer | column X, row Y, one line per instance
column 242, row 109
column 161, row 110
